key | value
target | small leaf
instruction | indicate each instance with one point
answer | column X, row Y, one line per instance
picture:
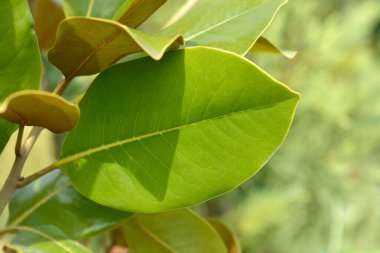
column 229, row 239
column 178, row 132
column 263, row 45
column 87, row 46
column 51, row 200
column 39, row 108
column 47, row 15
column 20, row 62
column 180, row 231
column 45, row 239
column 233, row 25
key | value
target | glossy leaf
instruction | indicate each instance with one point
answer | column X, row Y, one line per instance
column 52, row 201
column 47, row 15
column 263, row 45
column 180, row 231
column 233, row 25
column 128, row 12
column 20, row 62
column 45, row 240
column 39, row 108
column 200, row 123
column 229, row 239
column 87, row 46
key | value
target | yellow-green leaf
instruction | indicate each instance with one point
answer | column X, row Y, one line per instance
column 263, row 45
column 229, row 239
column 38, row 108
column 87, row 46
column 47, row 15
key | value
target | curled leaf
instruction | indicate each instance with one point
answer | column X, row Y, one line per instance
column 87, row 46
column 38, row 108
column 263, row 45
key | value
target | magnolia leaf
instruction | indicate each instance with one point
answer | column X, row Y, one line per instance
column 128, row 12
column 178, row 132
column 51, row 200
column 47, row 15
column 233, row 25
column 20, row 62
column 87, row 46
column 263, row 45
column 39, row 108
column 180, row 231
column 229, row 239
column 44, row 239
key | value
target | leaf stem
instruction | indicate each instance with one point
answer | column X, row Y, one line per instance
column 89, row 10
column 27, row 180
column 19, row 140
column 62, row 85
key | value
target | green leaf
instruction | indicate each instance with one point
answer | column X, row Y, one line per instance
column 177, row 132
column 233, row 25
column 51, row 200
column 229, row 239
column 180, row 231
column 20, row 62
column 263, row 45
column 128, row 12
column 87, row 46
column 45, row 240
column 40, row 108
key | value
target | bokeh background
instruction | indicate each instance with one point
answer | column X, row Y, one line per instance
column 320, row 193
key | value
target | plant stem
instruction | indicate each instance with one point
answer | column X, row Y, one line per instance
column 62, row 85
column 27, row 180
column 22, row 154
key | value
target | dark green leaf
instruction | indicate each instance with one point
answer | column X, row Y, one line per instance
column 52, row 201
column 180, row 231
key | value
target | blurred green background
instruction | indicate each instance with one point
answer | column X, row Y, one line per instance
column 321, row 192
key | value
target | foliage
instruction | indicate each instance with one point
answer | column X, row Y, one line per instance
column 182, row 118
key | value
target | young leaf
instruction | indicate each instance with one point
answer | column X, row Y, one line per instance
column 229, row 239
column 128, row 12
column 180, row 231
column 233, row 25
column 263, row 45
column 44, row 240
column 51, row 200
column 39, row 108
column 20, row 62
column 160, row 135
column 47, row 15
column 87, row 46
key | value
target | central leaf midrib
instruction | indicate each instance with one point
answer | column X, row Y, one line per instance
column 91, row 151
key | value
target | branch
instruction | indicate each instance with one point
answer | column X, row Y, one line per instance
column 22, row 154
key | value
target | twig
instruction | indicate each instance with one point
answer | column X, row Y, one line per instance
column 27, row 180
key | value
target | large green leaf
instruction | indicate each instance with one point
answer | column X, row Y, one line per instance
column 159, row 135
column 44, row 240
column 129, row 12
column 20, row 64
column 180, row 231
column 52, row 201
column 87, row 46
column 233, row 25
